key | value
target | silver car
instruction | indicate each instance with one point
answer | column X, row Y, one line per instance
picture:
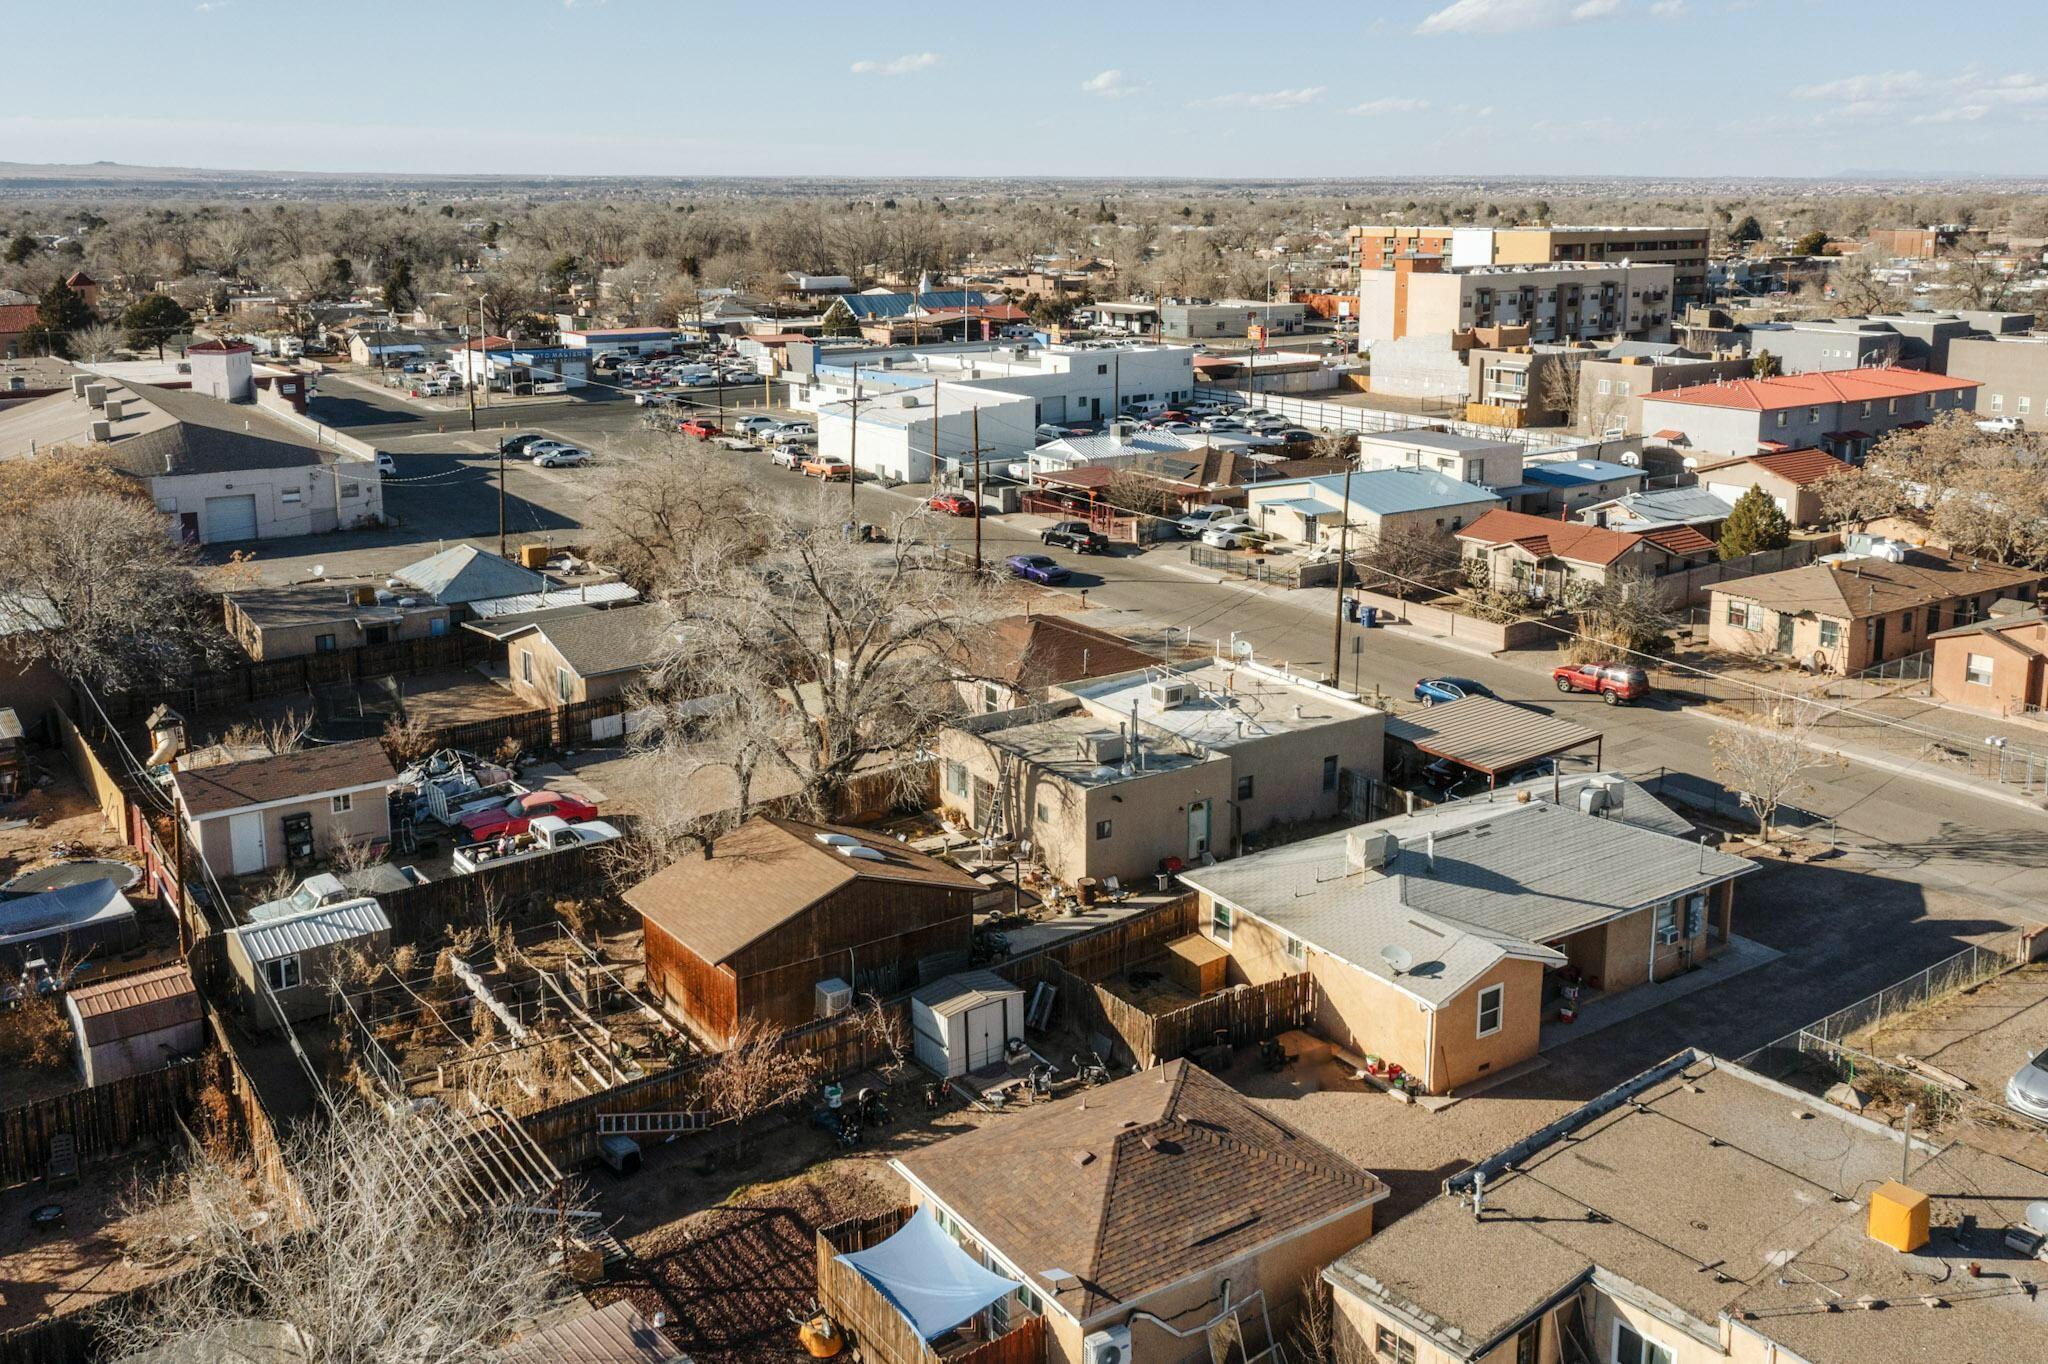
column 2027, row 1092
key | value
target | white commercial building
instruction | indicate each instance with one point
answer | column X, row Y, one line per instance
column 1009, row 390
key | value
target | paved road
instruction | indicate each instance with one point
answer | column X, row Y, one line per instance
column 1923, row 831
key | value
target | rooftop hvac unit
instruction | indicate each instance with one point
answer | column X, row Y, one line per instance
column 1168, row 695
column 114, row 409
column 1370, row 849
column 835, row 997
column 96, row 394
column 1593, row 800
column 103, row 431
column 1615, row 788
column 1111, row 1346
column 1104, row 748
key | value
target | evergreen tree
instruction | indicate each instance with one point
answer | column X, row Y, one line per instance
column 1748, row 230
column 1765, row 365
column 1811, row 243
column 154, row 319
column 399, row 290
column 22, row 248
column 1754, row 524
column 59, row 313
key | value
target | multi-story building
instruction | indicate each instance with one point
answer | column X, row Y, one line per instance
column 1374, row 247
column 1571, row 302
column 1683, row 248
column 2013, row 372
column 1843, row 412
column 1801, row 347
column 1231, row 319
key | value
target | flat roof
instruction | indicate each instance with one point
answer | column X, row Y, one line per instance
column 1701, row 1189
column 1487, row 735
column 1223, row 704
column 1063, row 746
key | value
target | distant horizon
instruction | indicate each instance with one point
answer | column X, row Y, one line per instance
column 1675, row 90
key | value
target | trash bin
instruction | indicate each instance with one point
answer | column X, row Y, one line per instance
column 1351, row 609
column 1085, row 888
column 1369, row 616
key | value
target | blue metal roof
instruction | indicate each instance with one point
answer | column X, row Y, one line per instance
column 864, row 306
column 1307, row 506
column 1571, row 473
column 1385, row 492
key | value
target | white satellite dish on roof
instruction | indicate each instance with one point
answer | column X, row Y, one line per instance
column 1397, row 958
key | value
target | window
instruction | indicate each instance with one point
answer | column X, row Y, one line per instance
column 1606, row 388
column 526, row 665
column 1745, row 615
column 565, row 684
column 1783, row 418
column 1667, row 924
column 1906, row 623
column 282, row 973
column 2026, row 404
column 956, row 778
column 350, row 490
column 323, row 644
column 1296, row 952
column 1998, row 402
column 1388, row 1346
column 341, row 804
column 1830, row 633
column 1244, row 788
column 1977, row 670
column 991, row 697
column 290, row 496
column 1219, row 922
column 1812, row 414
column 1632, row 1348
column 1330, row 773
column 1101, row 829
column 1491, row 1001
column 1529, row 1344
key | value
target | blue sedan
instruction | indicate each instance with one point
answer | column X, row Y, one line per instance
column 1036, row 568
column 1431, row 690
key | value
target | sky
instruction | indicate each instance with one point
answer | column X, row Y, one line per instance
column 1135, row 88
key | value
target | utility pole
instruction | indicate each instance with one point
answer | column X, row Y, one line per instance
column 935, row 432
column 977, row 489
column 853, row 450
column 469, row 371
column 1343, row 567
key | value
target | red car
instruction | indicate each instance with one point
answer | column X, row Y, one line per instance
column 1614, row 682
column 955, row 504
column 513, row 815
column 701, row 429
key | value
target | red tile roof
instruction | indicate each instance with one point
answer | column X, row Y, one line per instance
column 1546, row 538
column 1807, row 390
column 16, row 317
column 1801, row 466
column 1679, row 539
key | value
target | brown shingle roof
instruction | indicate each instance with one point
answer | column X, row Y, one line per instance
column 1138, row 1183
column 1795, row 466
column 1856, row 588
column 128, row 1006
column 765, row 873
column 1031, row 652
column 329, row 767
column 1545, row 538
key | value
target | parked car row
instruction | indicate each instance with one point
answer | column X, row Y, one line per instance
column 545, row 451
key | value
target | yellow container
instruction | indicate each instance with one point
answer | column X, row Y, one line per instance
column 533, row 556
column 1898, row 1216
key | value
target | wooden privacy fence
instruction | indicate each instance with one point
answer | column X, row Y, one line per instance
column 255, row 680
column 1239, row 1015
column 883, row 1334
column 419, row 914
column 105, row 1120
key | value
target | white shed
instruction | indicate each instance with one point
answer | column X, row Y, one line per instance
column 964, row 1022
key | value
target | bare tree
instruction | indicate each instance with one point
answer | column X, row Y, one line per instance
column 351, row 859
column 756, row 1074
column 1766, row 761
column 1557, row 387
column 1408, row 558
column 882, row 1037
column 1980, row 493
column 100, row 341
column 1624, row 613
column 369, row 1263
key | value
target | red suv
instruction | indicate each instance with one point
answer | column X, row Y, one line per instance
column 957, row 504
column 511, row 816
column 699, row 428
column 1615, row 682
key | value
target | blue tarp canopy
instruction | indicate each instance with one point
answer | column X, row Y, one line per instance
column 927, row 1277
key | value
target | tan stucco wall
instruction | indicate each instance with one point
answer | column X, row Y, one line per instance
column 369, row 817
column 293, row 641
column 2016, row 678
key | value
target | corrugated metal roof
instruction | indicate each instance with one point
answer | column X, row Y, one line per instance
column 595, row 594
column 964, row 991
column 315, row 928
column 131, row 1005
column 1487, row 735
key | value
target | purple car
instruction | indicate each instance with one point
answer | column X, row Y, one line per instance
column 1036, row 568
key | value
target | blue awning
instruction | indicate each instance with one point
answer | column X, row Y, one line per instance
column 927, row 1277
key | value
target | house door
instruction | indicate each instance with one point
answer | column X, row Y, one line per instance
column 985, row 1035
column 245, row 843
column 188, row 527
column 1877, row 641
column 984, row 812
column 1784, row 633
column 1198, row 831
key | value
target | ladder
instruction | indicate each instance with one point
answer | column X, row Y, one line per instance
column 650, row 1124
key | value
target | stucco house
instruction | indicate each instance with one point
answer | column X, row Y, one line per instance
column 561, row 658
column 1163, row 1200
column 1381, row 501
column 1843, row 412
column 1846, row 614
column 1531, row 553
column 1998, row 665
column 1790, row 478
column 247, row 817
column 1440, row 941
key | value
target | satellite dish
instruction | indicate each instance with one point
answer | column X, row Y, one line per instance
column 319, row 570
column 1397, row 958
column 1243, row 648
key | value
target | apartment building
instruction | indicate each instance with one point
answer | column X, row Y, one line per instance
column 2012, row 372
column 1375, row 247
column 1843, row 412
column 1569, row 302
column 1683, row 248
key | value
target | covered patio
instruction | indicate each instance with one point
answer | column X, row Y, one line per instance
column 1490, row 738
column 905, row 1292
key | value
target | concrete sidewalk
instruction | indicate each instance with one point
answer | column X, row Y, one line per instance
column 1607, row 1011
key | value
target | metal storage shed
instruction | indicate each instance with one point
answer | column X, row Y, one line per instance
column 965, row 1022
column 135, row 1023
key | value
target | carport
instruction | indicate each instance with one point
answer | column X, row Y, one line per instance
column 1486, row 736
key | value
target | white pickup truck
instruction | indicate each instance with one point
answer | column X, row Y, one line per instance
column 546, row 834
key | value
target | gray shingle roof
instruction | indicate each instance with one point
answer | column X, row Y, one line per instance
column 463, row 573
column 209, row 436
column 598, row 642
column 1503, row 880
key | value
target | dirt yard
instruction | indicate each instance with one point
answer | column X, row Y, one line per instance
column 60, row 815
column 72, row 1267
column 726, row 1252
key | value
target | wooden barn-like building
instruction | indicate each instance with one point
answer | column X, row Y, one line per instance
column 770, row 919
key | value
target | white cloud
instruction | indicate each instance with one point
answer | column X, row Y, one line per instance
column 898, row 66
column 209, row 6
column 1112, row 84
column 1969, row 96
column 1264, row 99
column 578, row 4
column 1668, row 9
column 1514, row 16
column 1388, row 104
